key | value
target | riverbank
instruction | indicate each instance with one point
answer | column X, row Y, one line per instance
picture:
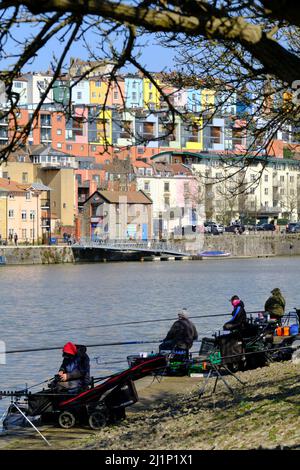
column 169, row 415
column 259, row 245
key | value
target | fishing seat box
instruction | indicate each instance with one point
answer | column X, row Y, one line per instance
column 122, row 395
column 231, row 345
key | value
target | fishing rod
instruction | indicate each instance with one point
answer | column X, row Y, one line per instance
column 139, row 322
column 53, row 348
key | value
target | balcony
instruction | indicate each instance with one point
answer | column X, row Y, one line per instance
column 58, row 165
column 45, row 204
column 45, row 223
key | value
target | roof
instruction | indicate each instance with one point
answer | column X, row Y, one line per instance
column 225, row 156
column 140, row 164
column 39, row 187
column 115, row 197
column 47, row 150
column 7, row 184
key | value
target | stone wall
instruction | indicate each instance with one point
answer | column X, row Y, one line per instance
column 259, row 244
column 37, row 254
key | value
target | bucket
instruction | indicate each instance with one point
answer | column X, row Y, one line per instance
column 286, row 331
column 294, row 329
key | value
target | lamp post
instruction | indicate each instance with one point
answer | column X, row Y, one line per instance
column 33, row 228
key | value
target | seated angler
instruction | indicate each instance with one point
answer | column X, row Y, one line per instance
column 275, row 305
column 74, row 372
column 239, row 318
column 181, row 335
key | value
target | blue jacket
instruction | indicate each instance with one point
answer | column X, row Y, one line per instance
column 238, row 319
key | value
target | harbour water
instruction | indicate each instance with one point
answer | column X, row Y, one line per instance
column 46, row 306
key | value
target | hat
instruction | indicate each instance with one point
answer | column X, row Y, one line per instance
column 276, row 290
column 183, row 313
column 70, row 348
column 234, row 297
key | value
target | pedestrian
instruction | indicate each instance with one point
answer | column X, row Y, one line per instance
column 181, row 334
column 16, row 239
column 10, row 238
column 275, row 305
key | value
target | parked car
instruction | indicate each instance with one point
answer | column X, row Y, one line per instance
column 235, row 228
column 213, row 228
column 293, row 227
column 208, row 225
column 266, row 227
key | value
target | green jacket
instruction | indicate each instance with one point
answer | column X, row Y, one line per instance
column 275, row 305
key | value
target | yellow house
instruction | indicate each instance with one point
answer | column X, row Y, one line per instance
column 194, row 134
column 104, row 128
column 98, row 91
column 20, row 212
column 151, row 94
column 207, row 100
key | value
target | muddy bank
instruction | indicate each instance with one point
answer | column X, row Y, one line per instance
column 264, row 413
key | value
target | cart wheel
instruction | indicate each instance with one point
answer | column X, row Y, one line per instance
column 97, row 419
column 66, row 420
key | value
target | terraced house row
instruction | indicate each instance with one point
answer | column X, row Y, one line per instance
column 188, row 170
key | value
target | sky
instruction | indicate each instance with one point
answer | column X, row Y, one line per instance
column 154, row 57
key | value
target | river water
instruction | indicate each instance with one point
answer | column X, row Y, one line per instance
column 45, row 306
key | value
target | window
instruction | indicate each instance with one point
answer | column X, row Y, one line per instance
column 186, row 187
column 59, row 145
column 134, row 96
column 166, row 187
column 292, row 179
column 24, row 215
column 11, row 213
column 11, row 196
column 150, row 96
column 24, row 177
column 64, row 205
column 58, row 132
column 147, row 186
column 282, row 178
column 69, row 146
column 252, row 204
column 93, row 148
column 18, row 84
column 281, row 191
column 266, row 191
column 167, row 202
column 266, row 178
column 98, row 84
column 32, row 215
column 216, row 135
column 24, row 233
column 28, row 195
column 79, row 95
column 94, row 94
column 252, row 177
column 21, row 158
column 116, row 95
column 252, row 190
column 5, row 174
column 96, row 178
column 59, row 118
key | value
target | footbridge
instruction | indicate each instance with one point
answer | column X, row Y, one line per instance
column 119, row 250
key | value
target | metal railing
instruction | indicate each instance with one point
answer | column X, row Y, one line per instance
column 151, row 245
